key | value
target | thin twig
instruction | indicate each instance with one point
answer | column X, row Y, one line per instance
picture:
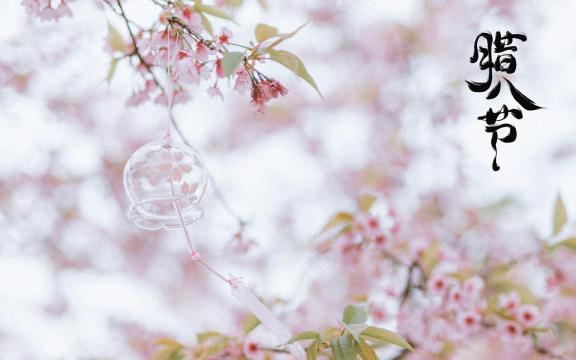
column 118, row 12
column 136, row 50
column 158, row 3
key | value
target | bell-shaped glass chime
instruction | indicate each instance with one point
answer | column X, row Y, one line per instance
column 165, row 182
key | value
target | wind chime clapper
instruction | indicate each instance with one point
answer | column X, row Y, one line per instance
column 165, row 182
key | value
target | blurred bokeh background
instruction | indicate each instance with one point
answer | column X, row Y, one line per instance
column 77, row 280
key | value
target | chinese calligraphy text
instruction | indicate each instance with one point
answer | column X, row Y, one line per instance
column 495, row 54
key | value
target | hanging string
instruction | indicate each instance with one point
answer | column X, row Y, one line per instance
column 239, row 291
column 245, row 297
column 173, row 124
column 170, row 78
column 170, row 100
column 194, row 254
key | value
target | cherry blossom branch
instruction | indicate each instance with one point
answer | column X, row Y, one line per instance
column 160, row 4
column 522, row 259
column 136, row 52
column 264, row 88
column 119, row 13
column 410, row 286
column 514, row 262
column 548, row 353
column 410, row 283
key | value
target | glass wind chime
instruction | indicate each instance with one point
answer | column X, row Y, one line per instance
column 165, row 182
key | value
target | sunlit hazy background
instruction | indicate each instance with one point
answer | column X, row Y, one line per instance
column 77, row 280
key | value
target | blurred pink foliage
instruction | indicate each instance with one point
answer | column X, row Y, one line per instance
column 440, row 268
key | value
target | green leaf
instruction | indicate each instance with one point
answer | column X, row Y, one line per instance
column 365, row 202
column 177, row 355
column 235, row 3
column 343, row 348
column 264, row 4
column 264, row 32
column 341, row 218
column 212, row 348
column 293, row 63
column 206, row 24
column 325, row 244
column 336, row 351
column 169, row 350
column 569, row 243
column 111, row 70
column 306, row 335
column 377, row 334
column 312, row 351
column 283, row 37
column 430, row 257
column 500, row 286
column 539, row 329
column 365, row 351
column 355, row 330
column 498, row 206
column 203, row 336
column 230, row 62
column 559, row 216
column 250, row 323
column 115, row 39
column 355, row 314
column 211, row 10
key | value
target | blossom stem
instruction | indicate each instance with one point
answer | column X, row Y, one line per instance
column 239, row 45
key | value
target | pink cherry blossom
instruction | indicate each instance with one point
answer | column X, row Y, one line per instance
column 214, row 91
column 510, row 329
column 186, row 70
column 381, row 240
column 218, row 68
column 179, row 96
column 439, row 284
column 141, row 96
column 202, row 52
column 527, row 315
column 203, row 71
column 223, row 38
column 259, row 97
column 473, row 286
column 378, row 313
column 243, row 81
column 469, row 321
column 193, row 20
column 44, row 11
column 563, row 263
column 253, row 351
column 456, row 297
column 240, row 244
column 509, row 301
column 266, row 90
column 276, row 89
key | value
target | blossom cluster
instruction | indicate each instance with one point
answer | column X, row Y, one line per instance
column 183, row 45
column 457, row 313
column 450, row 301
column 47, row 10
